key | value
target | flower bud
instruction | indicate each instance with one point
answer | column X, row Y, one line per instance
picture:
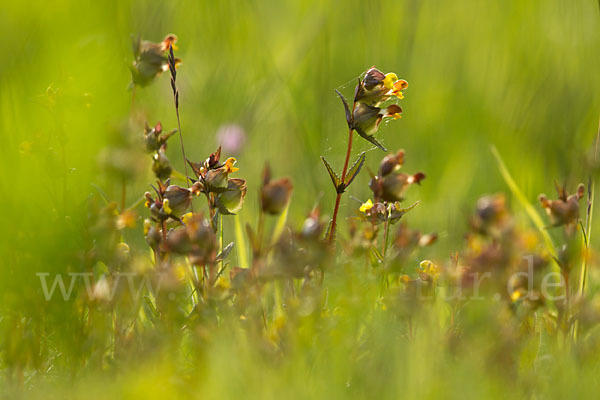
column 391, row 163
column 275, row 196
column 161, row 165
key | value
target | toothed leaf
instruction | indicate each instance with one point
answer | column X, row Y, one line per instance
column 354, row 169
column 337, row 182
column 347, row 109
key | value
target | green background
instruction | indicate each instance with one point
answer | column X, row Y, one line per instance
column 520, row 75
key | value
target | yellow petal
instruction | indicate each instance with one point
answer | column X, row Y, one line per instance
column 229, row 165
column 389, row 80
column 166, row 208
column 366, row 206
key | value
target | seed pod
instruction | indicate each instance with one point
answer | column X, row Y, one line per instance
column 177, row 200
column 216, row 180
column 230, row 201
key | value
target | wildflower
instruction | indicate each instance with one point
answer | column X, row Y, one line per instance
column 376, row 87
column 151, row 233
column 161, row 165
column 126, row 219
column 231, row 200
column 213, row 176
column 428, row 271
column 154, row 138
column 172, row 201
column 564, row 210
column 195, row 240
column 150, row 59
column 366, row 206
column 391, row 163
column 274, row 195
column 229, row 165
column 491, row 215
column 368, row 118
column 393, row 186
column 232, row 137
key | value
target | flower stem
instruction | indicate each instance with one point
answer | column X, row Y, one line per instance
column 339, row 195
column 386, row 232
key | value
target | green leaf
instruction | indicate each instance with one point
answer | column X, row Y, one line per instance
column 354, row 169
column 280, row 225
column 533, row 214
column 368, row 137
column 349, row 118
column 242, row 246
column 334, row 178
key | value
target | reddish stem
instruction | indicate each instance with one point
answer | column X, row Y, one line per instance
column 339, row 195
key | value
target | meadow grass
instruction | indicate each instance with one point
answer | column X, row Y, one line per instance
column 361, row 317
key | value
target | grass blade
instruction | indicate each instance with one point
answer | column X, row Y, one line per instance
column 240, row 239
column 529, row 208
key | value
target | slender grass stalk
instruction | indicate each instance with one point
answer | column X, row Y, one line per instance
column 339, row 195
column 531, row 212
column 240, row 239
column 173, row 71
column 587, row 232
column 123, row 194
column 280, row 224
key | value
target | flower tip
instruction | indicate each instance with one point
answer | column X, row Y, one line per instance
column 366, row 206
column 229, row 165
column 389, row 80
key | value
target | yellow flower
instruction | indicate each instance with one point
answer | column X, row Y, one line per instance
column 389, row 80
column 166, row 207
column 187, row 218
column 366, row 206
column 429, row 268
column 394, row 85
column 229, row 165
column 516, row 295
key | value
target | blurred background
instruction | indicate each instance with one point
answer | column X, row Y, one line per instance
column 520, row 75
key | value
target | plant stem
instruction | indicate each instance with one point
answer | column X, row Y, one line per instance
column 123, row 194
column 386, row 231
column 339, row 195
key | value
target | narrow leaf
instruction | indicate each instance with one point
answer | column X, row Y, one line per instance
column 242, row 246
column 533, row 214
column 223, row 254
column 354, row 169
column 280, row 225
column 369, row 138
column 349, row 119
column 334, row 178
